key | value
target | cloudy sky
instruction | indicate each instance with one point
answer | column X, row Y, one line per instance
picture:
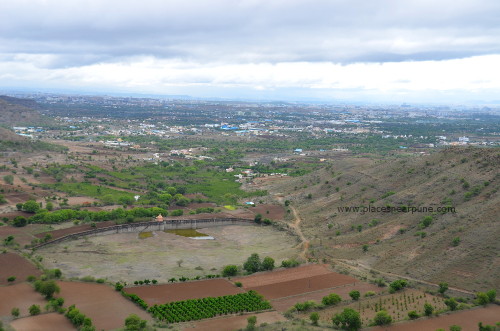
column 379, row 50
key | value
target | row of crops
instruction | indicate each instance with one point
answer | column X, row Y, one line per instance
column 197, row 309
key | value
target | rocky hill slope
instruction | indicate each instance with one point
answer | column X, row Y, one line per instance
column 459, row 247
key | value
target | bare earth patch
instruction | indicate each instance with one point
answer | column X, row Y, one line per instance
column 125, row 257
column 16, row 265
column 52, row 322
column 235, row 322
column 19, row 296
column 106, row 307
column 160, row 294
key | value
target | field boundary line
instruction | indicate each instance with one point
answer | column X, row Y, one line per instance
column 316, row 291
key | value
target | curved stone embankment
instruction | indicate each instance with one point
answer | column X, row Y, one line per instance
column 152, row 226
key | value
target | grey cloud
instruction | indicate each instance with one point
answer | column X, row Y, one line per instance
column 86, row 32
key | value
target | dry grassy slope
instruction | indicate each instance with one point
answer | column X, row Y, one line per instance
column 417, row 181
column 16, row 111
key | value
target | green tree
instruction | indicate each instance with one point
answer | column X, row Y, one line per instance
column 354, row 295
column 19, row 221
column 428, row 309
column 314, row 317
column 382, row 318
column 15, row 312
column 34, row 310
column 455, row 328
column 135, row 323
column 492, row 294
column 451, row 303
column 251, row 322
column 268, row 263
column 229, row 270
column 11, row 279
column 31, row 206
column 443, row 287
column 365, row 248
column 413, row 315
column 258, row 218
column 8, row 179
column 47, row 288
column 49, row 206
column 482, row 298
column 349, row 320
column 253, row 263
column 331, row 299
column 398, row 285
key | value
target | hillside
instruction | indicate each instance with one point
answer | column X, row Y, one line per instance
column 16, row 111
column 400, row 242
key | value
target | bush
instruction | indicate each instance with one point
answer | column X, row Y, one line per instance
column 349, row 319
column 413, row 315
column 230, row 270
column 451, row 303
column 382, row 318
column 398, row 285
column 331, row 299
column 428, row 309
column 314, row 317
column 34, row 310
column 134, row 323
column 290, row 263
column 369, row 294
column 19, row 221
column 354, row 295
column 268, row 263
column 11, row 279
column 482, row 298
column 238, row 284
column 47, row 288
column 15, row 312
column 253, row 263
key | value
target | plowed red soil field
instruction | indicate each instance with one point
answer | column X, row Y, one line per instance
column 283, row 304
column 21, row 235
column 303, row 285
column 160, row 294
column 74, row 229
column 20, row 296
column 106, row 307
column 235, row 322
column 468, row 320
column 12, row 264
column 272, row 277
column 52, row 322
column 275, row 212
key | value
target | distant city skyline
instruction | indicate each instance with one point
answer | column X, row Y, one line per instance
column 416, row 51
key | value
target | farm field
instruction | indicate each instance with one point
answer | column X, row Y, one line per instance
column 233, row 322
column 303, row 285
column 51, row 321
column 283, row 304
column 106, row 307
column 397, row 305
column 125, row 257
column 15, row 265
column 160, row 294
column 20, row 296
column 468, row 320
column 266, row 278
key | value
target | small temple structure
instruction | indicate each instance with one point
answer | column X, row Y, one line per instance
column 159, row 218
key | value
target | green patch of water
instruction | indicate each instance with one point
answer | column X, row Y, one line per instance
column 187, row 233
column 146, row 234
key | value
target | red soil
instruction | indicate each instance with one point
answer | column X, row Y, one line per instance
column 74, row 229
column 234, row 322
column 16, row 265
column 283, row 304
column 283, row 275
column 19, row 296
column 160, row 294
column 21, row 235
column 468, row 320
column 52, row 322
column 275, row 212
column 106, row 307
column 303, row 285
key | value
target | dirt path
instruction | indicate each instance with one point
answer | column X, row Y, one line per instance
column 296, row 226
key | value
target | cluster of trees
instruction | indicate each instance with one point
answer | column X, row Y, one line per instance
column 145, row 282
column 196, row 309
column 397, row 285
column 254, row 264
column 79, row 320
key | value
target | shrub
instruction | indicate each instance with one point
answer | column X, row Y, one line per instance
column 413, row 315
column 268, row 263
column 15, row 312
column 230, row 270
column 354, row 295
column 238, row 284
column 331, row 299
column 349, row 319
column 253, row 263
column 134, row 323
column 398, row 285
column 482, row 298
column 382, row 318
column 290, row 263
column 369, row 294
column 451, row 303
column 11, row 279
column 314, row 317
column 34, row 310
column 428, row 309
